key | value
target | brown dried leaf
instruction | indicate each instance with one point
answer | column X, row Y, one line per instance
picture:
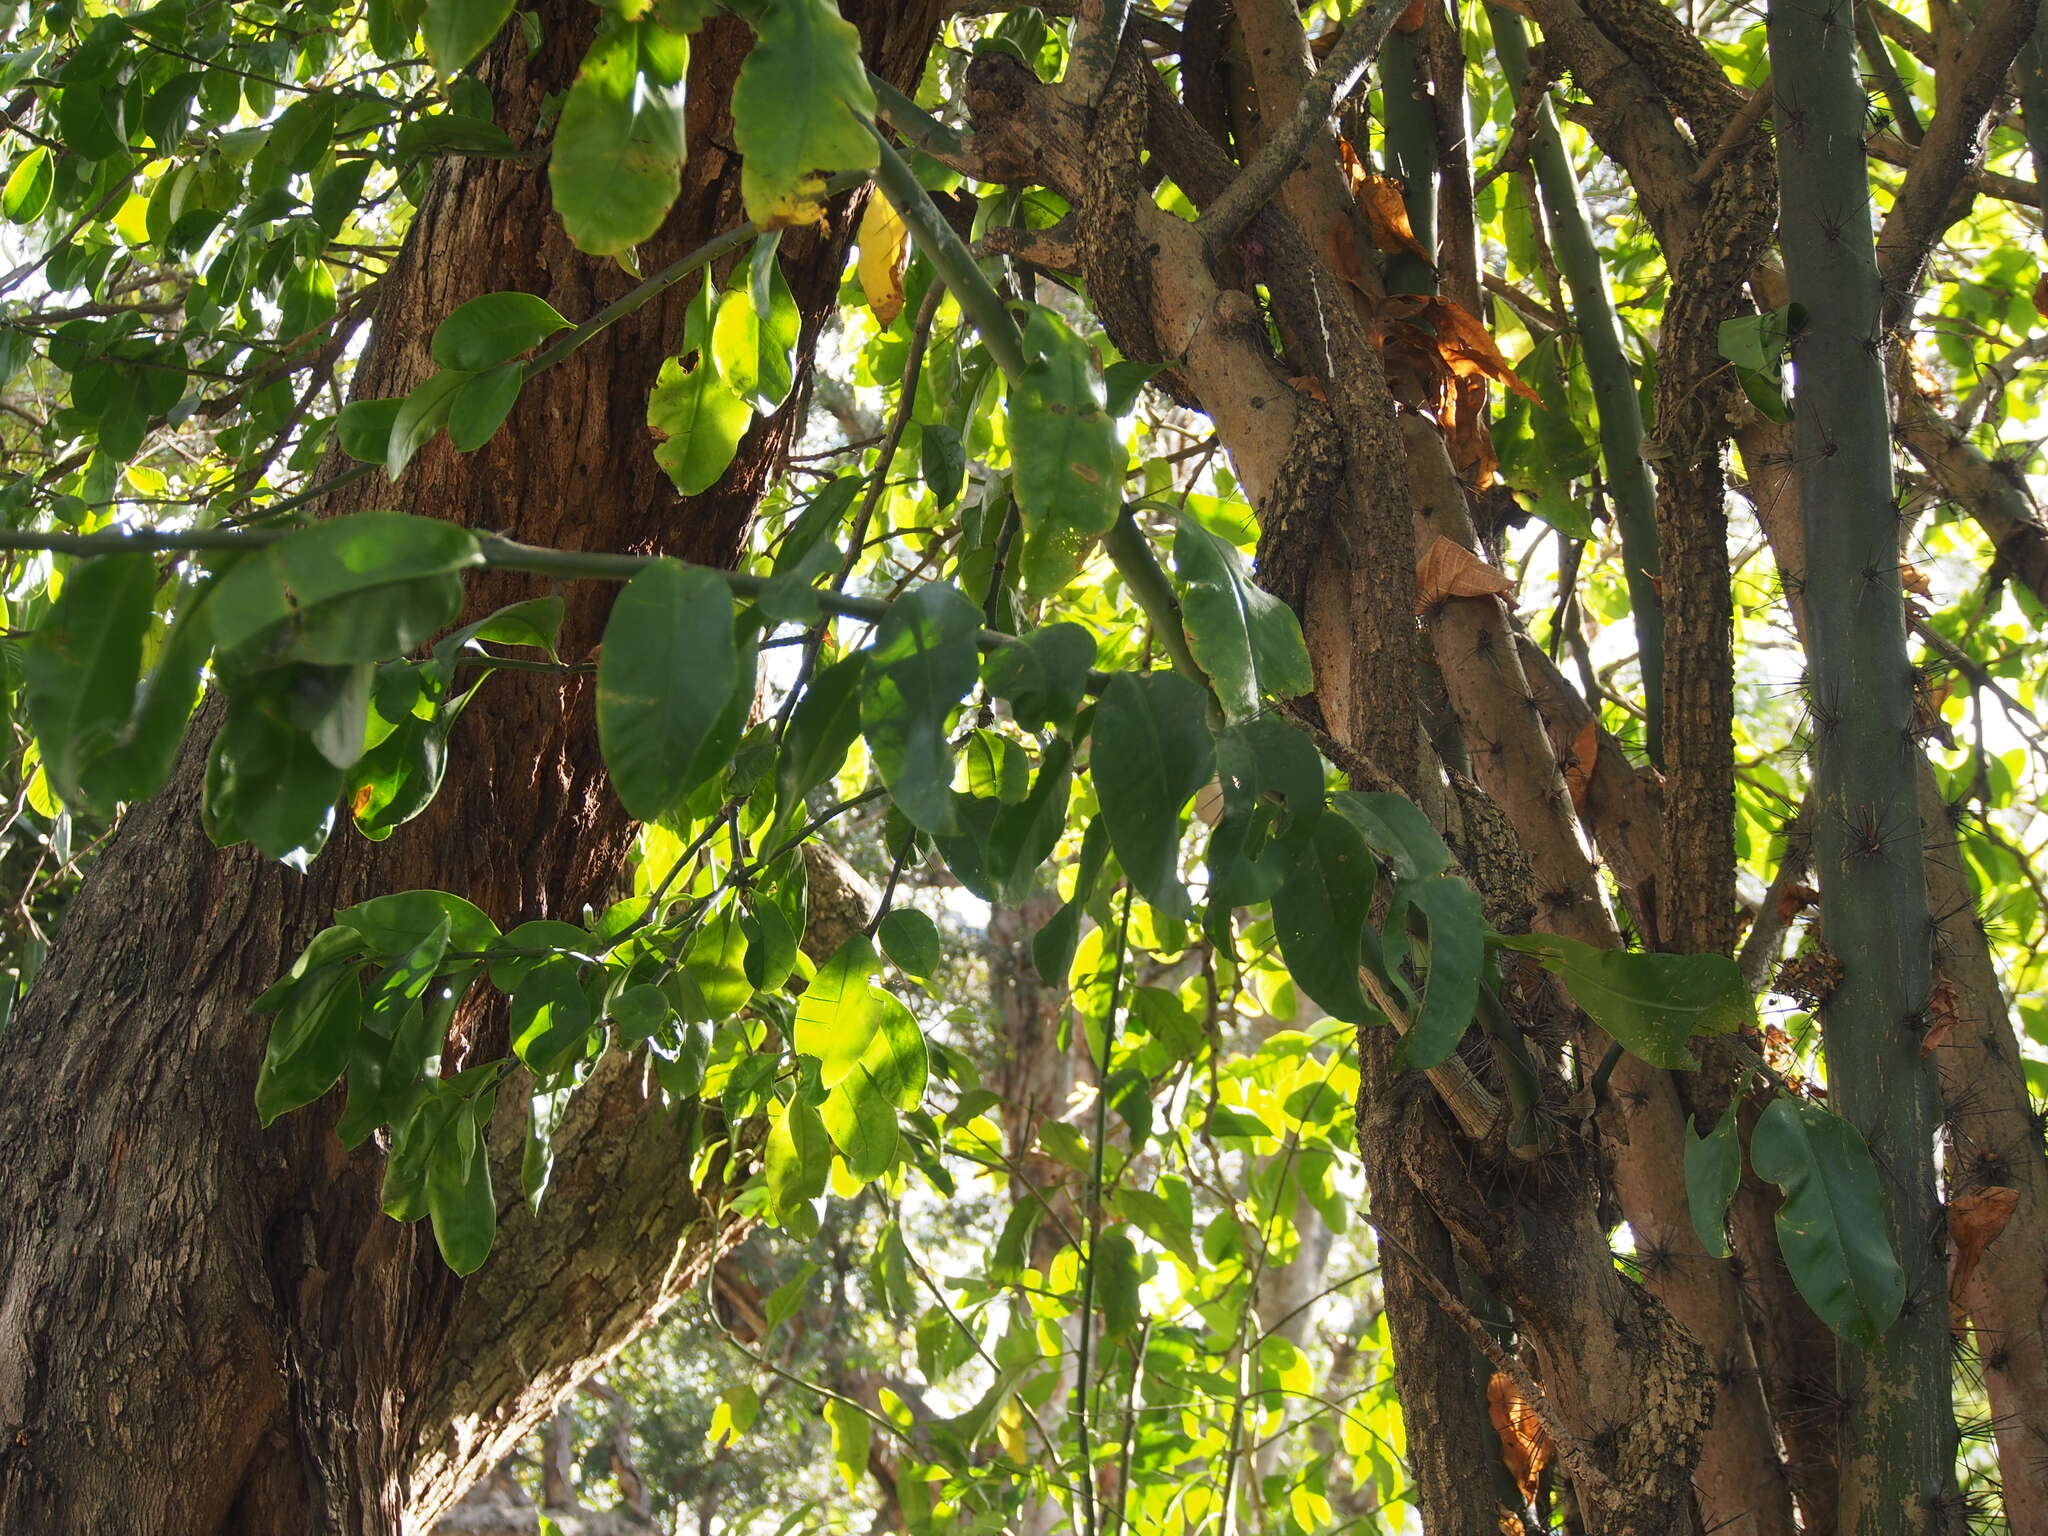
column 1385, row 207
column 1583, row 763
column 1942, row 1016
column 1412, row 19
column 1524, row 1444
column 1449, row 569
column 1974, row 1222
column 1795, row 899
column 1308, row 384
column 1914, row 580
column 2041, row 295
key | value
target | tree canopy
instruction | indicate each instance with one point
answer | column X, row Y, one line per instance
column 1303, row 736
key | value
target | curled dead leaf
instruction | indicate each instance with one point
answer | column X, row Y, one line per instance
column 1412, row 19
column 1448, row 569
column 1914, row 580
column 1383, row 201
column 1974, row 1222
column 1524, row 1444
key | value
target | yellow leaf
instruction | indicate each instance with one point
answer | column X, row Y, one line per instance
column 884, row 253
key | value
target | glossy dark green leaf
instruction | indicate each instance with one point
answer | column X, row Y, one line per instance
column 1319, row 915
column 364, row 429
column 1044, row 676
column 419, row 416
column 310, row 1039
column 807, row 550
column 551, row 1016
column 1246, row 640
column 460, row 1200
column 667, row 673
column 1151, row 750
column 1271, row 779
column 481, row 406
column 1652, row 1003
column 1713, row 1170
column 1831, row 1228
column 82, row 665
column 393, row 925
column 821, row 730
column 266, row 781
column 920, row 665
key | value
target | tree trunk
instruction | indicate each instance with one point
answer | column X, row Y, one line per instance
column 227, row 1306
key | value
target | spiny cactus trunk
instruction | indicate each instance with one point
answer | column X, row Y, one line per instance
column 1897, row 1428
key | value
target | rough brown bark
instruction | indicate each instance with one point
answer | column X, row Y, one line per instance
column 227, row 1306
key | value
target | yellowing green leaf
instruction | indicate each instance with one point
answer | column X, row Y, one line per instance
column 800, row 109
column 619, row 147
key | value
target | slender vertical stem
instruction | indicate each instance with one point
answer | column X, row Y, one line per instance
column 1410, row 119
column 1615, row 400
column 1898, row 1430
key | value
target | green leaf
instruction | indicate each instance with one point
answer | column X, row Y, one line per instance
column 852, row 1436
column 364, row 429
column 799, row 109
column 1151, row 750
column 698, row 421
column 460, row 1200
column 821, row 730
column 82, row 665
column 29, row 186
column 668, row 670
column 806, row 551
column 266, row 781
column 1023, row 836
column 551, row 1016
column 796, row 1159
column 944, row 463
column 911, row 941
column 311, row 1037
column 1713, row 1169
column 1831, row 1228
column 1319, row 918
column 1397, row 830
column 393, row 925
column 1069, row 458
column 481, row 406
column 419, row 416
column 494, row 328
column 617, row 160
column 921, row 663
column 717, row 963
column 1116, row 1284
column 456, row 31
column 1246, row 640
column 839, row 1014
column 1043, row 676
column 1457, row 954
column 1255, row 842
column 736, row 344
column 1651, row 1003
column 145, row 747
